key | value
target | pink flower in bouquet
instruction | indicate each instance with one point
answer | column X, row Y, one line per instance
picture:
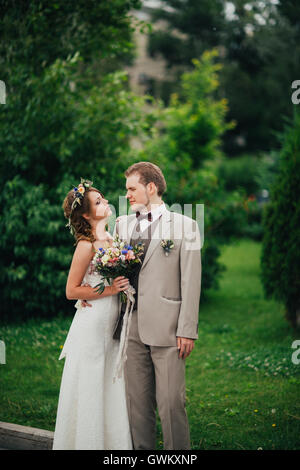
column 129, row 255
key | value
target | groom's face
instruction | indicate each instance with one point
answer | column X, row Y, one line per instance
column 137, row 193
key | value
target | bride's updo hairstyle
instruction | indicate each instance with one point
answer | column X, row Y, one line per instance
column 77, row 203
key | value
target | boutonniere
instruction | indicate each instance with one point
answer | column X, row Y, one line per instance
column 167, row 246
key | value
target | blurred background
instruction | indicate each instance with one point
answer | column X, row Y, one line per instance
column 202, row 88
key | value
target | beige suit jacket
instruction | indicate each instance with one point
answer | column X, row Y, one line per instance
column 169, row 286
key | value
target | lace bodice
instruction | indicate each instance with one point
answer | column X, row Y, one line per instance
column 92, row 277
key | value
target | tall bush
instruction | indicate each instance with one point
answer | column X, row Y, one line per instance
column 280, row 259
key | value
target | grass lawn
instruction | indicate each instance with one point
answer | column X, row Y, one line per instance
column 242, row 387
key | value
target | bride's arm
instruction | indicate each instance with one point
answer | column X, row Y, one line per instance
column 80, row 262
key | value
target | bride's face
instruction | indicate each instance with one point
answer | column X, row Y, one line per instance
column 99, row 208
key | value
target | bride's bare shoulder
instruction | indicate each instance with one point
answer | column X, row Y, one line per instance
column 84, row 242
column 83, row 251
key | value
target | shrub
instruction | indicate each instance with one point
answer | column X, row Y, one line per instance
column 52, row 134
column 281, row 242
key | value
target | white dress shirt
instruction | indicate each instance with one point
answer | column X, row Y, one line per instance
column 156, row 212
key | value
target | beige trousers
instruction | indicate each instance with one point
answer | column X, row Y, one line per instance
column 155, row 377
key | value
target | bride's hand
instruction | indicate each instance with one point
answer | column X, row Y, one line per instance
column 85, row 303
column 119, row 284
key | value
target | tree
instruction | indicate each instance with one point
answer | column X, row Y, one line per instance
column 260, row 47
column 280, row 259
column 200, row 25
column 35, row 33
column 59, row 123
column 61, row 133
column 262, row 60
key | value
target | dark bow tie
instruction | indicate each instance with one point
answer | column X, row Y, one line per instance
column 144, row 216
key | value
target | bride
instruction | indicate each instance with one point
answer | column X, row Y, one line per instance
column 92, row 412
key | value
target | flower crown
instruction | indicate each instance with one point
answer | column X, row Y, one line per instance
column 78, row 197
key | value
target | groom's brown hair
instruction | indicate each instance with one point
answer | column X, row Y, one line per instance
column 148, row 173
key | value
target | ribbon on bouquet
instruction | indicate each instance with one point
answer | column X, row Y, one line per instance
column 122, row 357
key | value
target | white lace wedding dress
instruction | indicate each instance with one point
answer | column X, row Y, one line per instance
column 92, row 412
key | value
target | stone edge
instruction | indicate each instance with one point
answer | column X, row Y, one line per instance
column 18, row 437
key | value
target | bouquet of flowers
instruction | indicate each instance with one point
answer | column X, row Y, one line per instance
column 120, row 259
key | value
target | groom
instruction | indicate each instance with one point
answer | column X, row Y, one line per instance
column 164, row 322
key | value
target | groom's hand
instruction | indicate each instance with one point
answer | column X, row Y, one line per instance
column 185, row 346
